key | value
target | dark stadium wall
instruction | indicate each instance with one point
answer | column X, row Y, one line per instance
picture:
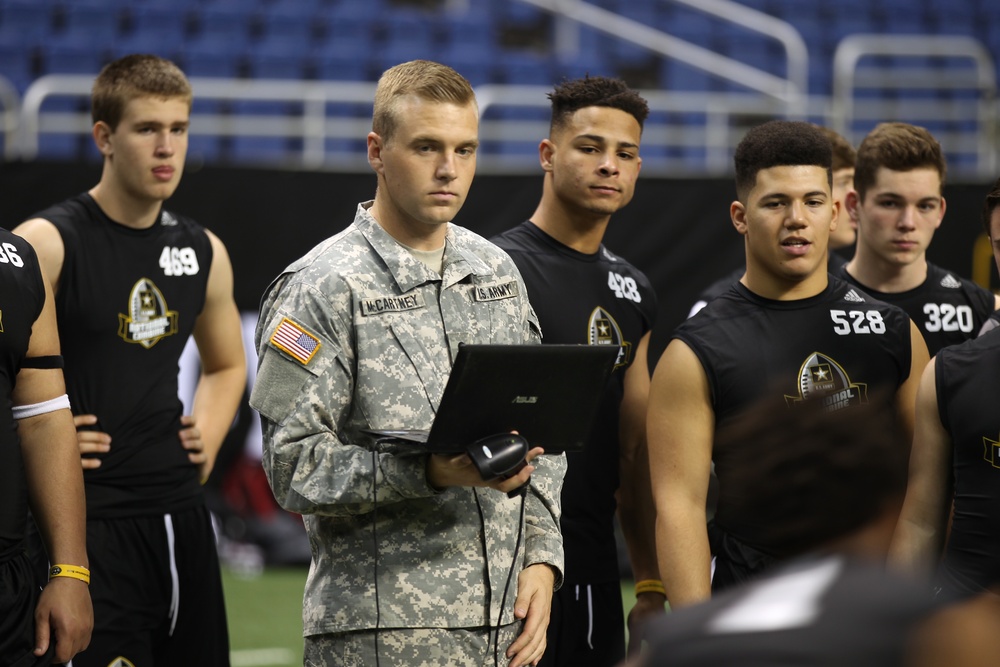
column 676, row 230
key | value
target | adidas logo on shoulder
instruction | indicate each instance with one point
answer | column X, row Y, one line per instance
column 854, row 297
column 950, row 281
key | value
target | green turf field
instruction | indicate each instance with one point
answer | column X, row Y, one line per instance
column 265, row 616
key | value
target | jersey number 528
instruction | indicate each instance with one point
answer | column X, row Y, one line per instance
column 857, row 321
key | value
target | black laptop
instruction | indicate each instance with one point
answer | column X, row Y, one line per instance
column 548, row 393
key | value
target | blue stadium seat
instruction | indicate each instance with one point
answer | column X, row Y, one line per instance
column 290, row 22
column 64, row 147
column 675, row 75
column 392, row 54
column 474, row 62
column 98, row 23
column 211, row 58
column 278, row 58
column 692, row 27
column 956, row 18
column 347, row 26
column 204, row 149
column 902, row 23
column 843, row 24
column 628, row 54
column 71, row 54
column 644, row 12
column 515, row 14
column 366, row 9
column 586, row 63
column 24, row 21
column 755, row 50
column 409, row 30
column 471, row 28
column 17, row 62
column 820, row 76
column 343, row 61
column 158, row 24
column 225, row 22
column 160, row 45
column 523, row 68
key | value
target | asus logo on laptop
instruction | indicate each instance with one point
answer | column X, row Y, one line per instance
column 525, row 399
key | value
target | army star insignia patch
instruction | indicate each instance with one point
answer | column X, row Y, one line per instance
column 295, row 340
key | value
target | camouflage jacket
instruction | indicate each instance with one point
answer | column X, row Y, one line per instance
column 360, row 334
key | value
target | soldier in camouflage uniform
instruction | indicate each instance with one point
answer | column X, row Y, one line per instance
column 416, row 559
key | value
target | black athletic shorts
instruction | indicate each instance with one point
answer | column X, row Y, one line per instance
column 587, row 627
column 157, row 592
column 18, row 598
column 735, row 561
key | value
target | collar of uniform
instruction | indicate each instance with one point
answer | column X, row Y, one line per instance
column 407, row 270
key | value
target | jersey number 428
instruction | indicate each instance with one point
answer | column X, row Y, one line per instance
column 624, row 287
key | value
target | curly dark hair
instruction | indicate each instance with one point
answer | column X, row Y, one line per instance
column 804, row 475
column 595, row 91
column 779, row 143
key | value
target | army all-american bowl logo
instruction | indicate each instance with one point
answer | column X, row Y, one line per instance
column 148, row 318
column 603, row 330
column 822, row 378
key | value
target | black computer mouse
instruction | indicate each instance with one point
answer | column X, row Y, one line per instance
column 500, row 455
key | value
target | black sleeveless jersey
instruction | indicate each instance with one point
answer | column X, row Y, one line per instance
column 22, row 295
column 722, row 285
column 841, row 347
column 811, row 612
column 599, row 299
column 126, row 304
column 946, row 308
column 968, row 393
column 990, row 324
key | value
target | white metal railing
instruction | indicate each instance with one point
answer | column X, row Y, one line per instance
column 919, row 67
column 791, row 90
column 688, row 133
column 319, row 115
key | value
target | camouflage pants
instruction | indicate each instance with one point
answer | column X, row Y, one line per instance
column 422, row 647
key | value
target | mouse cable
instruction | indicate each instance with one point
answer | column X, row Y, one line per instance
column 510, row 575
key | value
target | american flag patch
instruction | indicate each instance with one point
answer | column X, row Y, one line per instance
column 295, row 340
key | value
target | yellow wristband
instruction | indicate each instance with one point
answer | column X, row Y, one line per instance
column 72, row 571
column 650, row 586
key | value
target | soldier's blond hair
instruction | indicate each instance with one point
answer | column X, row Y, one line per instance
column 428, row 80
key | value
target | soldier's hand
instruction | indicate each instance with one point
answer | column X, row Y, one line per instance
column 444, row 471
column 534, row 606
column 90, row 442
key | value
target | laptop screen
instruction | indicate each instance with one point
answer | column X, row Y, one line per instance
column 548, row 393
